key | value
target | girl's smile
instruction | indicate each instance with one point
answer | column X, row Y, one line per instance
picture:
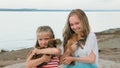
column 75, row 23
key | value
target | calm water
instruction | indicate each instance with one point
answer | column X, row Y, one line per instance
column 17, row 29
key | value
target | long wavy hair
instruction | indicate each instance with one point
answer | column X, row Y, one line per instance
column 67, row 32
column 44, row 29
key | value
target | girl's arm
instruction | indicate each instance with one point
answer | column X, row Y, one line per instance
column 88, row 59
column 55, row 51
column 67, row 54
column 32, row 63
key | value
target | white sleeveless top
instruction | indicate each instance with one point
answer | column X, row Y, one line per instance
column 90, row 45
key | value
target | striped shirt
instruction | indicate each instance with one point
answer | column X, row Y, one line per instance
column 52, row 64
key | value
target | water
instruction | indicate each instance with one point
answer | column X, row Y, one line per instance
column 17, row 29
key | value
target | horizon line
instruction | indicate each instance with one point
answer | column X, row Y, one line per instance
column 51, row 10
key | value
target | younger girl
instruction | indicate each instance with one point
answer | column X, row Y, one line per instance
column 44, row 34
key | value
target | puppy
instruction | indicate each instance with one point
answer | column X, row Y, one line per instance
column 80, row 42
column 53, row 43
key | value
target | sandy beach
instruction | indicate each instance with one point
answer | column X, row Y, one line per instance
column 109, row 52
column 102, row 64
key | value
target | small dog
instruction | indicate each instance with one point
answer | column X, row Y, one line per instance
column 53, row 43
column 80, row 42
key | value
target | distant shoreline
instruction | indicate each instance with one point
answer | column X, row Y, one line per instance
column 51, row 10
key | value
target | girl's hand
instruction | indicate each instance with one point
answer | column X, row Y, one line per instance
column 35, row 51
column 62, row 58
column 68, row 60
column 74, row 47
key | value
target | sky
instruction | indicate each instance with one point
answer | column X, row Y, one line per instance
column 62, row 4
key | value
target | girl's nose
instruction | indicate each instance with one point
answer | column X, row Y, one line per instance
column 43, row 42
column 74, row 26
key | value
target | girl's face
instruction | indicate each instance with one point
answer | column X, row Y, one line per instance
column 75, row 23
column 43, row 38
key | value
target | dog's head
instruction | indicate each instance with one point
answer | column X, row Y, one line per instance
column 54, row 42
column 76, row 37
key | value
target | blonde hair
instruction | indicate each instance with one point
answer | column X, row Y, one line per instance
column 67, row 33
column 44, row 29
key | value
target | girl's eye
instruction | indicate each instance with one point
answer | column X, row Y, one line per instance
column 39, row 39
column 71, row 24
column 77, row 23
column 46, row 38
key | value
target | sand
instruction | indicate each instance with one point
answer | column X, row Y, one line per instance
column 102, row 64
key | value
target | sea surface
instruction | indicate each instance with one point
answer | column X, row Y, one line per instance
column 18, row 28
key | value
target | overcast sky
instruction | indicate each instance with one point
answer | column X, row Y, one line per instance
column 62, row 4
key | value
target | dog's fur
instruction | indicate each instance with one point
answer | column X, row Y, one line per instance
column 80, row 42
column 53, row 43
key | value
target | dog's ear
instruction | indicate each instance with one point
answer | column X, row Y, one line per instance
column 51, row 42
column 58, row 42
column 54, row 42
